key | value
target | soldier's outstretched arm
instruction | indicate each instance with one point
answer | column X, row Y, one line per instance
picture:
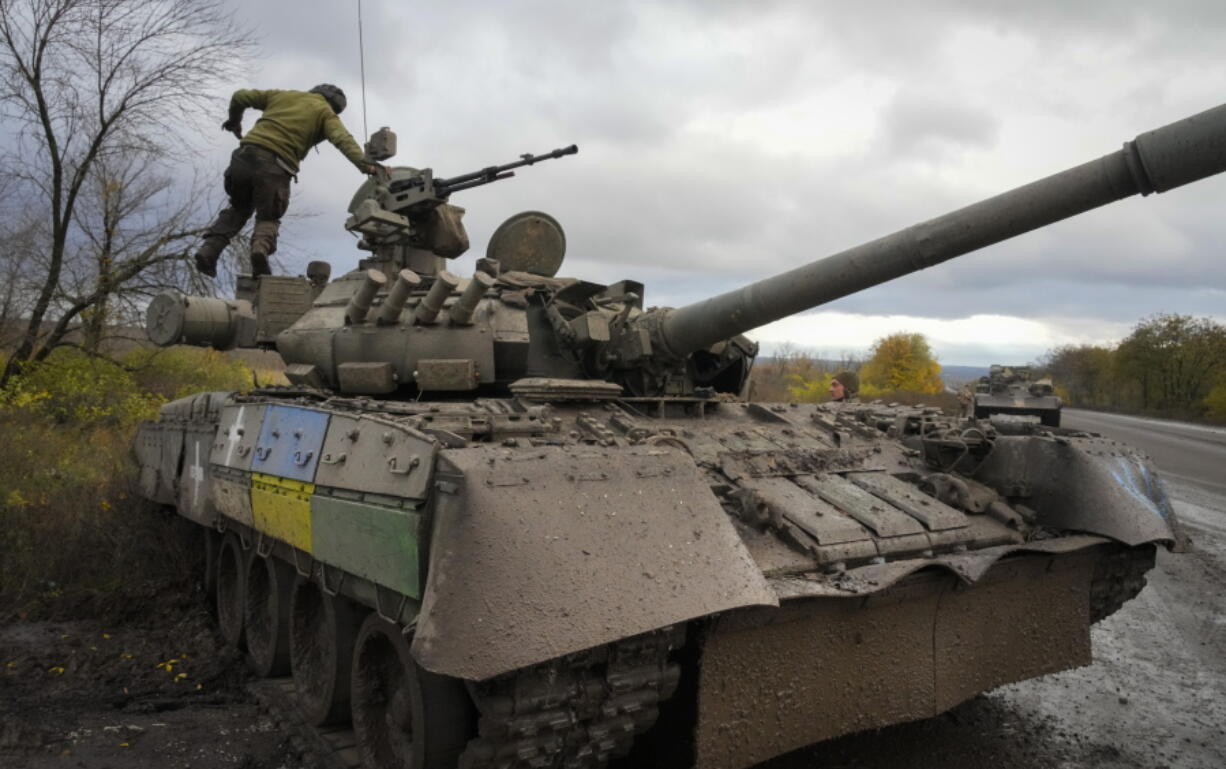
column 240, row 101
column 340, row 137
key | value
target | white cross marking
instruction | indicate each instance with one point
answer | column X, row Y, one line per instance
column 234, row 435
column 197, row 474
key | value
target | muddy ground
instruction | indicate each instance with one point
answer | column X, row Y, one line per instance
column 149, row 685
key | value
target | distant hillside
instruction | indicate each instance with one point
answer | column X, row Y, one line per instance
column 958, row 375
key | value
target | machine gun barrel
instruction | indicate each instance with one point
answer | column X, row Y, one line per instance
column 495, row 173
column 1159, row 160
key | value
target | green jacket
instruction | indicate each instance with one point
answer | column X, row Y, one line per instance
column 293, row 122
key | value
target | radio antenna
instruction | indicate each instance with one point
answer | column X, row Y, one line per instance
column 362, row 65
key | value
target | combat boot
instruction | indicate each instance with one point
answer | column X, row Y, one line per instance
column 207, row 256
column 263, row 245
column 259, row 264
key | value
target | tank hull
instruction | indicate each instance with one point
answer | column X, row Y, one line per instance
column 748, row 564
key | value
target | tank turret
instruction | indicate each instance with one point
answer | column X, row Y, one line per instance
column 402, row 322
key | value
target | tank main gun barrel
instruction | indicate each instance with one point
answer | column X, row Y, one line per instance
column 1159, row 160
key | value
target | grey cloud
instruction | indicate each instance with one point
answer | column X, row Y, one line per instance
column 928, row 122
column 470, row 83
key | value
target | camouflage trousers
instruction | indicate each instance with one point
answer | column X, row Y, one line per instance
column 255, row 183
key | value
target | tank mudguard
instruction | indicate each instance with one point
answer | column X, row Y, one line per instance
column 541, row 553
column 1084, row 483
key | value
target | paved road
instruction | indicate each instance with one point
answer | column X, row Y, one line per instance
column 1192, row 454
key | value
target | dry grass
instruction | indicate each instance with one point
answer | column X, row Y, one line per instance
column 71, row 523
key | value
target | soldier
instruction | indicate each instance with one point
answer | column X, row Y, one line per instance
column 844, row 386
column 265, row 161
column 966, row 399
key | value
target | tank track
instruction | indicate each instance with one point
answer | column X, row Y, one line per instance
column 578, row 712
column 584, row 710
column 330, row 747
column 1118, row 578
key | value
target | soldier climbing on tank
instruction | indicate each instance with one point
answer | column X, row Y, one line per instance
column 844, row 387
column 257, row 180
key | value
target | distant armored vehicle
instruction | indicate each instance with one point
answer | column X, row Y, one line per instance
column 517, row 520
column 1014, row 391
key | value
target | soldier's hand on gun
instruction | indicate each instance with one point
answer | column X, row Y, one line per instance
column 376, row 170
column 234, row 127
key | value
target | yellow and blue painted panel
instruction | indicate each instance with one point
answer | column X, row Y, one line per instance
column 377, row 539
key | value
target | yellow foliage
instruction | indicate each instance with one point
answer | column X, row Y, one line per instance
column 71, row 387
column 175, row 372
column 268, row 377
column 802, row 389
column 901, row 361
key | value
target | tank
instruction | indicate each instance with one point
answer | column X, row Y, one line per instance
column 1015, row 391
column 516, row 520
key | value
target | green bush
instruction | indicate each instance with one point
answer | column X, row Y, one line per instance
column 71, row 521
column 83, row 391
column 175, row 372
column 1215, row 403
column 809, row 389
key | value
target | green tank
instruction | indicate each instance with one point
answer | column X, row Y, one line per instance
column 517, row 520
column 1015, row 391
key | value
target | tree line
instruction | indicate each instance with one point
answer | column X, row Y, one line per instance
column 1168, row 366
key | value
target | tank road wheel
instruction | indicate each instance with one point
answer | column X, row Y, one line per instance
column 212, row 549
column 270, row 585
column 404, row 716
column 231, row 588
column 322, row 630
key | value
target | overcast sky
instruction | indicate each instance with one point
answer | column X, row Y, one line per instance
column 721, row 142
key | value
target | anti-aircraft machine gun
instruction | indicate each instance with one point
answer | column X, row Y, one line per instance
column 521, row 520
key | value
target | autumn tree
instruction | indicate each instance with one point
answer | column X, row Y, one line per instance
column 99, row 97
column 1174, row 360
column 1085, row 374
column 902, row 361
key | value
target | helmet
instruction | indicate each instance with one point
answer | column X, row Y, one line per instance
column 334, row 96
column 849, row 380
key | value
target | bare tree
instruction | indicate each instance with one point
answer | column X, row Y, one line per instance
column 100, row 93
column 17, row 255
column 135, row 222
